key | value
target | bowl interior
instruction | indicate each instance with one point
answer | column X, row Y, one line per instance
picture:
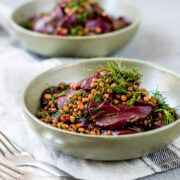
column 153, row 77
column 28, row 10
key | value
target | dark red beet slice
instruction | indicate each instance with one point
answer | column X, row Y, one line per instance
column 61, row 101
column 124, row 20
column 99, row 22
column 86, row 83
column 124, row 131
column 47, row 23
column 113, row 117
column 68, row 21
column 58, row 13
column 128, row 131
column 108, row 19
column 52, row 90
column 83, row 122
column 43, row 25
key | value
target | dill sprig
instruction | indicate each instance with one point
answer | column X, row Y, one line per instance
column 118, row 89
column 114, row 107
column 43, row 113
column 114, row 69
column 162, row 101
column 99, row 106
column 122, row 77
column 96, row 115
column 136, row 96
column 62, row 93
column 111, row 114
column 168, row 118
column 137, row 129
column 97, row 97
column 163, row 106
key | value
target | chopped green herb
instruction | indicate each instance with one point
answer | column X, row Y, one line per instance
column 135, row 97
column 162, row 101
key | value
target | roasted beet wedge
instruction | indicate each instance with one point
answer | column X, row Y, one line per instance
column 61, row 101
column 114, row 117
column 58, row 13
column 68, row 21
column 124, row 131
column 86, row 83
column 99, row 22
column 43, row 25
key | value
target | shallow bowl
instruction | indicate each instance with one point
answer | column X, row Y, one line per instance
column 103, row 147
column 77, row 46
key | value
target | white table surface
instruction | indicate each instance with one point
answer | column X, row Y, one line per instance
column 157, row 41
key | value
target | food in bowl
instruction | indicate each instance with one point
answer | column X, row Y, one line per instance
column 76, row 18
column 110, row 102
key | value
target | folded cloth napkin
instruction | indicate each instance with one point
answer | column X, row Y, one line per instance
column 17, row 67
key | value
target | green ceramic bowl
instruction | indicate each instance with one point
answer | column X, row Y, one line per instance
column 103, row 147
column 86, row 46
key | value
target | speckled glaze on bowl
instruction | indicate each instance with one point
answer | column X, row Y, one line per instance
column 85, row 46
column 103, row 147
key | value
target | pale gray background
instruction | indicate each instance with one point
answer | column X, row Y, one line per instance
column 158, row 41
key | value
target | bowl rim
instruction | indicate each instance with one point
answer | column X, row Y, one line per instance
column 59, row 67
column 18, row 27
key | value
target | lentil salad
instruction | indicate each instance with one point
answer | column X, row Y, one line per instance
column 110, row 102
column 76, row 18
